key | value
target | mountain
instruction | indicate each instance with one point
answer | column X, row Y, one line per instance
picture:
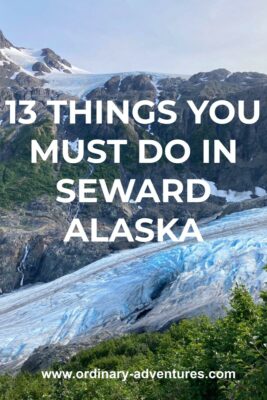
column 19, row 64
column 41, row 68
column 30, row 216
column 4, row 43
column 34, row 62
column 33, row 224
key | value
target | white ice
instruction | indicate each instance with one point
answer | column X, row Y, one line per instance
column 233, row 196
column 109, row 292
column 26, row 58
column 74, row 145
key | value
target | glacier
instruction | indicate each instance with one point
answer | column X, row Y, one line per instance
column 141, row 289
column 81, row 83
column 78, row 82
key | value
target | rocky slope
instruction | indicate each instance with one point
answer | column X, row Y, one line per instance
column 32, row 225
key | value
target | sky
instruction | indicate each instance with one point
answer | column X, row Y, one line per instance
column 172, row 36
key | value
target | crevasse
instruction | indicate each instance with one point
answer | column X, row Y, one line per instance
column 166, row 280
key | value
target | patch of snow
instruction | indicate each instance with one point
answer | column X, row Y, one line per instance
column 74, row 145
column 155, row 80
column 149, row 130
column 76, row 84
column 119, row 86
column 260, row 191
column 26, row 58
column 231, row 196
column 80, row 82
column 14, row 75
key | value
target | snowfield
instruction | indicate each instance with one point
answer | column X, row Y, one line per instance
column 170, row 281
column 144, row 288
column 232, row 196
column 78, row 82
column 25, row 58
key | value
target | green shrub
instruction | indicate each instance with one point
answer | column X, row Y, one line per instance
column 236, row 342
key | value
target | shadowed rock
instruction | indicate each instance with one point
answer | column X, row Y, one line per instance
column 4, row 43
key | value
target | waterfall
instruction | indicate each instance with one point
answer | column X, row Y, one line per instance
column 75, row 206
column 22, row 265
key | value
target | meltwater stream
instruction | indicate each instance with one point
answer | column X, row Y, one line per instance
column 144, row 288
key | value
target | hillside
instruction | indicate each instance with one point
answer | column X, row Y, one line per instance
column 69, row 285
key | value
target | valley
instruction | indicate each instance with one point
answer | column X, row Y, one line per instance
column 105, row 298
column 58, row 297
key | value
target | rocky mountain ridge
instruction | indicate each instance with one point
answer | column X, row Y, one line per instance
column 46, row 60
column 32, row 225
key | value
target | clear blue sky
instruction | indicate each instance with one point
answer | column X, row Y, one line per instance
column 177, row 36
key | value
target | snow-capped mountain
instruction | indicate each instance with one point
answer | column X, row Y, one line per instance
column 58, row 74
column 54, row 71
column 37, row 62
column 148, row 287
column 43, row 75
column 34, row 62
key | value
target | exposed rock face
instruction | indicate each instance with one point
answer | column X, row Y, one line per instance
column 217, row 75
column 27, row 81
column 31, row 235
column 250, row 170
column 244, row 78
column 132, row 88
column 45, row 356
column 139, row 83
column 47, row 249
column 4, row 43
column 38, row 233
column 40, row 67
column 53, row 60
column 48, row 257
column 8, row 71
column 245, row 205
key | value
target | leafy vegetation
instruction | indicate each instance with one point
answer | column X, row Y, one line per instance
column 21, row 181
column 236, row 342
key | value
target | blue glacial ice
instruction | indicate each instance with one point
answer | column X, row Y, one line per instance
column 167, row 280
